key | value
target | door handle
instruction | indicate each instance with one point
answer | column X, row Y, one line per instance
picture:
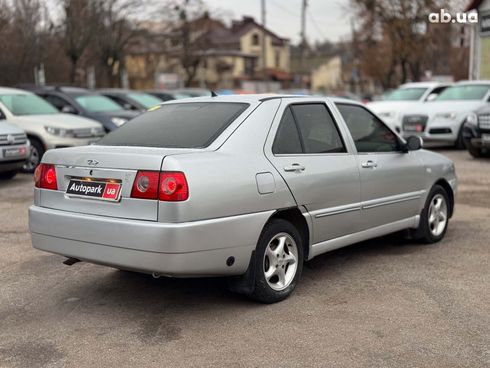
column 369, row 164
column 294, row 167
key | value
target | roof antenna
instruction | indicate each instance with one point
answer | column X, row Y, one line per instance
column 214, row 94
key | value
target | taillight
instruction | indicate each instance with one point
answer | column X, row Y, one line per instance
column 173, row 186
column 145, row 185
column 45, row 177
column 166, row 186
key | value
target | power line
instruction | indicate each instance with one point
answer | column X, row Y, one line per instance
column 315, row 24
column 284, row 9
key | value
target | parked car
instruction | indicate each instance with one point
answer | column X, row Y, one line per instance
column 14, row 149
column 248, row 186
column 131, row 100
column 45, row 126
column 476, row 132
column 83, row 102
column 440, row 122
column 403, row 99
column 167, row 95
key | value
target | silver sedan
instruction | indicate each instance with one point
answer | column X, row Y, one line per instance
column 249, row 187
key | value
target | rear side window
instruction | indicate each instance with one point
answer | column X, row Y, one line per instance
column 287, row 137
column 180, row 125
column 307, row 128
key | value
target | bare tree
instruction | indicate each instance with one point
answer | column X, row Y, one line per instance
column 115, row 30
column 189, row 39
column 78, row 27
column 397, row 35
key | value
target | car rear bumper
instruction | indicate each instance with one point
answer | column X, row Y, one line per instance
column 11, row 165
column 199, row 248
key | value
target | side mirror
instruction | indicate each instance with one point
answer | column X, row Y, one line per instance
column 68, row 109
column 414, row 143
column 127, row 106
column 2, row 116
column 431, row 97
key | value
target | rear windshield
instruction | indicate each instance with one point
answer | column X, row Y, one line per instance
column 180, row 125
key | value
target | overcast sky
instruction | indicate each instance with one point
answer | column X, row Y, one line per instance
column 326, row 18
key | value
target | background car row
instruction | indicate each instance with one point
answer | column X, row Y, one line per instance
column 442, row 114
column 37, row 118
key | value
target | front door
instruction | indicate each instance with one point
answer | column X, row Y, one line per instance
column 309, row 152
column 392, row 181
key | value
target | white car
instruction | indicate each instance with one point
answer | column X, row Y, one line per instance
column 45, row 126
column 14, row 149
column 440, row 122
column 391, row 109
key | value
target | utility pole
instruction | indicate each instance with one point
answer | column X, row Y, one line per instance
column 264, row 53
column 303, row 41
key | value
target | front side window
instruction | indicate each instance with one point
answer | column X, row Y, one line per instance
column 27, row 104
column 307, row 128
column 369, row 133
column 179, row 125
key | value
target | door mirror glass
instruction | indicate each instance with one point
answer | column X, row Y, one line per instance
column 414, row 143
column 68, row 109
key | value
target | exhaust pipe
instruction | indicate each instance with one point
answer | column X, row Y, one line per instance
column 156, row 275
column 71, row 261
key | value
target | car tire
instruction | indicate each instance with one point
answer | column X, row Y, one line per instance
column 37, row 152
column 278, row 262
column 7, row 175
column 460, row 144
column 434, row 218
column 475, row 152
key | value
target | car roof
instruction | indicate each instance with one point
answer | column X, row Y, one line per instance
column 474, row 82
column 118, row 90
column 256, row 98
column 425, row 84
column 13, row 91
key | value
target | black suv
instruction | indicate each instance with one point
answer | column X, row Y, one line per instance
column 85, row 103
column 476, row 132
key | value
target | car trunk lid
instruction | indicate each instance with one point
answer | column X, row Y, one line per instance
column 117, row 166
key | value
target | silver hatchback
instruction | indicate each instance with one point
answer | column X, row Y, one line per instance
column 249, row 187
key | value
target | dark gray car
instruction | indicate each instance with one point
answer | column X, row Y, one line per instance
column 86, row 103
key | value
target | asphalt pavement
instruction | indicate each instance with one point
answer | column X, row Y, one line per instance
column 387, row 302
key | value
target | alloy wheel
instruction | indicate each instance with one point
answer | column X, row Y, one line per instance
column 437, row 215
column 280, row 261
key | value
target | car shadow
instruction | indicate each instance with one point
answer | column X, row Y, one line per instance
column 124, row 289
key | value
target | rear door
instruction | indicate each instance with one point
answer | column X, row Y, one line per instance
column 308, row 149
column 392, row 181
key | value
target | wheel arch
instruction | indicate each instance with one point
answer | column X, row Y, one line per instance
column 449, row 190
column 296, row 218
column 36, row 137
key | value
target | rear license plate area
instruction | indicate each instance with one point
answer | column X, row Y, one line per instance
column 91, row 189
